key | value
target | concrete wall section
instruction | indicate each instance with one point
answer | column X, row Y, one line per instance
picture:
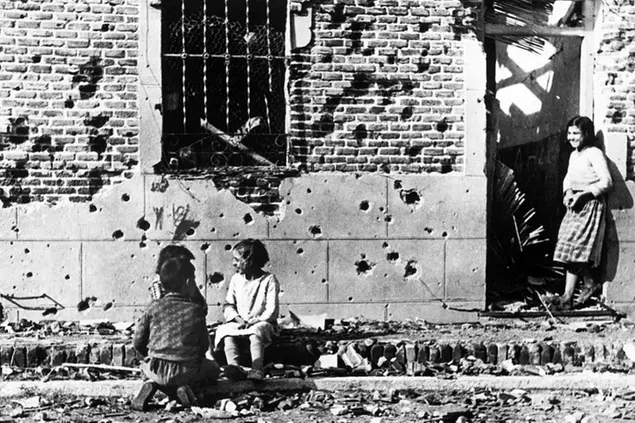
column 360, row 263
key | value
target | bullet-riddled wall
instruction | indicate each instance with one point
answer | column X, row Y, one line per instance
column 380, row 213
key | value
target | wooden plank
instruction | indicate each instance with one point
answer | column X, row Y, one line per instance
column 537, row 30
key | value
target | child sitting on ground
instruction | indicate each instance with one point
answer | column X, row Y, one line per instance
column 172, row 337
column 251, row 309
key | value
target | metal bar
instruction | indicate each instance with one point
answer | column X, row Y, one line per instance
column 538, row 30
column 234, row 142
column 269, row 65
column 183, row 68
column 248, row 61
column 227, row 59
column 205, row 57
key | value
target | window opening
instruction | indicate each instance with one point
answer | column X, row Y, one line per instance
column 224, row 68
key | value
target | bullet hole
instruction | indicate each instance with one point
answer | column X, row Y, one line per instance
column 364, row 205
column 617, row 117
column 142, row 244
column 85, row 303
column 67, row 277
column 92, row 208
column 442, row 125
column 350, row 299
column 27, row 251
column 117, row 234
column 413, row 150
column 444, row 234
column 228, row 247
column 248, row 219
column 300, row 251
column 388, row 219
column 69, row 103
column 360, row 133
column 315, row 230
column 364, row 266
column 423, row 65
column 107, row 306
column 131, row 256
column 407, row 113
column 384, row 245
column 49, row 311
column 324, row 281
column 424, row 26
column 222, row 215
column 215, row 278
column 190, row 232
column 125, row 198
column 298, row 211
column 143, row 224
column 29, row 274
column 381, row 209
column 410, row 196
column 308, row 191
column 428, row 230
column 204, row 246
column 411, row 269
column 392, row 256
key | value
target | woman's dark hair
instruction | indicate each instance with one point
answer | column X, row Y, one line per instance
column 173, row 251
column 586, row 127
column 253, row 251
column 174, row 272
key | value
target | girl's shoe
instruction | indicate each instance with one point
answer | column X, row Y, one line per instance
column 140, row 402
column 233, row 372
column 586, row 293
column 255, row 375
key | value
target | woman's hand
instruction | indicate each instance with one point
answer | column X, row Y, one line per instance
column 579, row 199
column 567, row 200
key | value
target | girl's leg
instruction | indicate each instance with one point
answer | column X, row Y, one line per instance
column 232, row 352
column 571, row 281
column 257, row 350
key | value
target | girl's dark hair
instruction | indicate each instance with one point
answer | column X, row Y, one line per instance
column 586, row 127
column 173, row 251
column 174, row 272
column 253, row 251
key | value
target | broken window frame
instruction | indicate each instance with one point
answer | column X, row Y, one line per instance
column 585, row 32
column 228, row 133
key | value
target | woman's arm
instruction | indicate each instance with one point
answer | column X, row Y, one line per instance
column 600, row 166
column 230, row 310
column 272, row 301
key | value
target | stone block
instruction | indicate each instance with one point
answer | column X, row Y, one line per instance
column 35, row 355
column 114, row 212
column 187, row 210
column 18, row 358
column 446, row 353
column 386, row 271
column 492, row 353
column 82, row 352
column 58, row 355
column 33, row 268
column 105, row 353
column 118, row 353
column 309, row 203
column 465, row 270
column 131, row 357
column 94, row 355
column 437, row 207
column 6, row 353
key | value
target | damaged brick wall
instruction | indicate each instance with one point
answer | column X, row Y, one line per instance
column 615, row 63
column 68, row 96
column 381, row 87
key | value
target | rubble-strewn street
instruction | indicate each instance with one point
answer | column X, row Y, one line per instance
column 586, row 406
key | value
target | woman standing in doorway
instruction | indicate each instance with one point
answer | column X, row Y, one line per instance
column 581, row 233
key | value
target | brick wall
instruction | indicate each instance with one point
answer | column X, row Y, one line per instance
column 615, row 66
column 68, row 97
column 381, row 87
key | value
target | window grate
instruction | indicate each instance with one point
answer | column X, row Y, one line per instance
column 224, row 69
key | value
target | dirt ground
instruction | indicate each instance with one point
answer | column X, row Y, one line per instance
column 340, row 407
